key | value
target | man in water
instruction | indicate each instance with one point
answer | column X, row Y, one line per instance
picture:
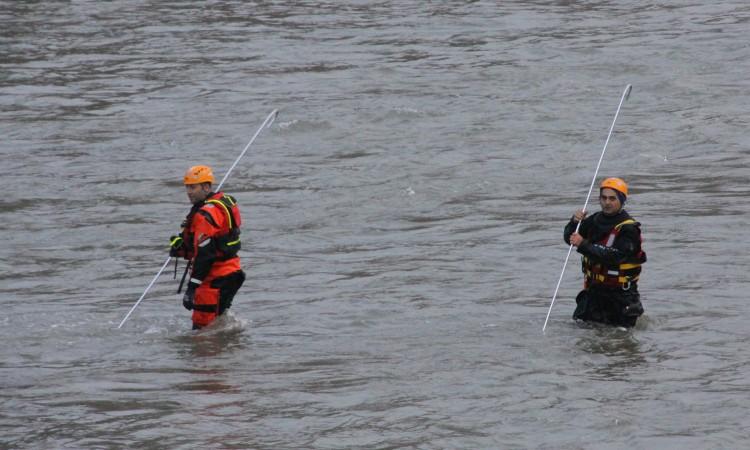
column 610, row 242
column 210, row 240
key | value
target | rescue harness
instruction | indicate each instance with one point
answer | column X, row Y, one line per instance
column 620, row 275
column 227, row 244
column 219, row 248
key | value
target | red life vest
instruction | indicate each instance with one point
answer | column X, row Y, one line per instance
column 222, row 220
column 617, row 275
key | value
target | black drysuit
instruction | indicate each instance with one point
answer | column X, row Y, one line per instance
column 617, row 304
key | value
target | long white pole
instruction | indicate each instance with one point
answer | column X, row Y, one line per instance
column 624, row 97
column 266, row 123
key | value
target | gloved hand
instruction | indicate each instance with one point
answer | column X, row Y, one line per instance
column 175, row 244
column 189, row 297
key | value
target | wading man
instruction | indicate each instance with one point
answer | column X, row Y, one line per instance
column 209, row 240
column 610, row 242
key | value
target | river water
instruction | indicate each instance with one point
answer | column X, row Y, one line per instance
column 402, row 223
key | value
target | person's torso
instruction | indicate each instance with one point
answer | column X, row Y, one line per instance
column 607, row 231
column 217, row 222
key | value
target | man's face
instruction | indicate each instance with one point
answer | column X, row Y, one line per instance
column 197, row 192
column 609, row 202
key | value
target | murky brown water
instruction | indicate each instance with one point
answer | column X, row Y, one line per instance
column 403, row 221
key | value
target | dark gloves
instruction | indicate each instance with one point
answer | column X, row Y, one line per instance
column 175, row 244
column 189, row 297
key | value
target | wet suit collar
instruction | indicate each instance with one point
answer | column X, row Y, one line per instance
column 604, row 223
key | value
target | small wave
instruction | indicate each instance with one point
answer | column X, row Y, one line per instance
column 304, row 126
column 227, row 323
column 409, row 111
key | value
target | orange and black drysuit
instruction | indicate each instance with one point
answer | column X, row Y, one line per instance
column 210, row 240
column 611, row 262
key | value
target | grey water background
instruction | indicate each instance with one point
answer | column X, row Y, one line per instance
column 402, row 223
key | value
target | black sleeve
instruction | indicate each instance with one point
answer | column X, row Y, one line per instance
column 626, row 245
column 571, row 227
column 206, row 254
column 203, row 261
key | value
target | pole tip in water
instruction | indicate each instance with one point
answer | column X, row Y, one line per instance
column 627, row 91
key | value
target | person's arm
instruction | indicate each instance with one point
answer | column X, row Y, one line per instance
column 626, row 245
column 205, row 229
column 570, row 228
column 178, row 244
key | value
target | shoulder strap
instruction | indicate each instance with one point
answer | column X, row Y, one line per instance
column 625, row 222
column 226, row 202
column 208, row 217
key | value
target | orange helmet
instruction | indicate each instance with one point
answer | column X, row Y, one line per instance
column 199, row 174
column 616, row 184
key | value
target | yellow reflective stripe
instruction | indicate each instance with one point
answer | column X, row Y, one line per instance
column 624, row 222
column 601, row 278
column 625, row 266
column 588, row 271
column 229, row 215
column 234, row 242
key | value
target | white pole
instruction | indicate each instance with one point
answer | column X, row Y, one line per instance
column 624, row 97
column 266, row 123
column 164, row 266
